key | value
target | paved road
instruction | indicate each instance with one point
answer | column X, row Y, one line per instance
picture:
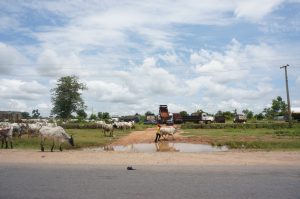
column 159, row 182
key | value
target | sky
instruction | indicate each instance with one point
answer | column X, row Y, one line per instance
column 135, row 55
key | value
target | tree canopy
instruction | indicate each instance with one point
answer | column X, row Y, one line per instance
column 35, row 113
column 66, row 97
column 278, row 108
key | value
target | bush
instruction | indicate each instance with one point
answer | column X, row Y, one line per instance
column 237, row 126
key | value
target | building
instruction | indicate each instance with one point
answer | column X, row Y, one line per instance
column 12, row 116
column 296, row 113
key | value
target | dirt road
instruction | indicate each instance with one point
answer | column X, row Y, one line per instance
column 169, row 158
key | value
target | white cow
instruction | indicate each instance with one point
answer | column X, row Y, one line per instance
column 6, row 134
column 56, row 134
column 168, row 131
column 108, row 128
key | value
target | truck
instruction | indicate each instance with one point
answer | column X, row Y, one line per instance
column 240, row 118
column 177, row 118
column 198, row 118
column 163, row 115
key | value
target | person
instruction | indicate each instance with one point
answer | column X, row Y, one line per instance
column 158, row 135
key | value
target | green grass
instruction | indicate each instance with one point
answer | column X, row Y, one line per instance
column 262, row 138
column 82, row 138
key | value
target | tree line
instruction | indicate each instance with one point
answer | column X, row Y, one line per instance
column 67, row 100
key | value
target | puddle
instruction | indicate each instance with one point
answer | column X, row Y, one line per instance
column 162, row 147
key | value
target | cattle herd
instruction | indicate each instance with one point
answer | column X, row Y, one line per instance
column 46, row 130
column 49, row 131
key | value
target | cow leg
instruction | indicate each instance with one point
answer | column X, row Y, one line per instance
column 42, row 145
column 60, row 148
column 6, row 143
column 52, row 146
column 11, row 143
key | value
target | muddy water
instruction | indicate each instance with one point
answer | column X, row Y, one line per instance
column 162, row 147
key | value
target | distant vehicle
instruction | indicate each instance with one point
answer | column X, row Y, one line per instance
column 198, row 118
column 239, row 118
column 150, row 117
column 177, row 118
column 219, row 119
column 115, row 118
column 130, row 118
column 150, row 122
column 163, row 115
column 170, row 121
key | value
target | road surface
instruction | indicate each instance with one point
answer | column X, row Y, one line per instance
column 45, row 181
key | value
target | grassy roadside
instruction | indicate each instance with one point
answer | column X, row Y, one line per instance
column 262, row 138
column 82, row 138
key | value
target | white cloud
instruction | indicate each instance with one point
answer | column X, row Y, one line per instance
column 17, row 89
column 17, row 105
column 51, row 64
column 10, row 59
column 255, row 9
column 298, row 82
column 136, row 85
column 111, row 92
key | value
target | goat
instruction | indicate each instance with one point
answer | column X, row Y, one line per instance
column 6, row 134
column 57, row 134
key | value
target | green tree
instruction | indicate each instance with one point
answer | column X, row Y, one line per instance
column 35, row 113
column 249, row 114
column 93, row 117
column 106, row 116
column 228, row 115
column 278, row 108
column 81, row 114
column 259, row 116
column 100, row 115
column 25, row 115
column 149, row 113
column 66, row 97
column 183, row 113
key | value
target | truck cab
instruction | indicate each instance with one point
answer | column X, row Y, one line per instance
column 170, row 120
column 206, row 118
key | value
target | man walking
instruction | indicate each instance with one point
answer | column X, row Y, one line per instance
column 158, row 135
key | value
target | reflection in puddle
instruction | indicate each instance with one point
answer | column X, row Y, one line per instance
column 163, row 147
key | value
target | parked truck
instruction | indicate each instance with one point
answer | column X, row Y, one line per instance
column 177, row 118
column 240, row 118
column 198, row 118
column 163, row 115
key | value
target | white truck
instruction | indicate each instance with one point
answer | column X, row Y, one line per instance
column 198, row 118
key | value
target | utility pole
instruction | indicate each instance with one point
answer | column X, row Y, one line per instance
column 287, row 92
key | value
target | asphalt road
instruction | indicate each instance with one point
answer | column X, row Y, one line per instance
column 161, row 182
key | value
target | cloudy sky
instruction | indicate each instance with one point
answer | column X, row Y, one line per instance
column 135, row 55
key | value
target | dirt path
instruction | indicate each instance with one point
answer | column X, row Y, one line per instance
column 148, row 136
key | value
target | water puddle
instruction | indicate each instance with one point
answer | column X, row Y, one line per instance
column 162, row 147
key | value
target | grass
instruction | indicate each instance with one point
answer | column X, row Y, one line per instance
column 83, row 138
column 262, row 138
